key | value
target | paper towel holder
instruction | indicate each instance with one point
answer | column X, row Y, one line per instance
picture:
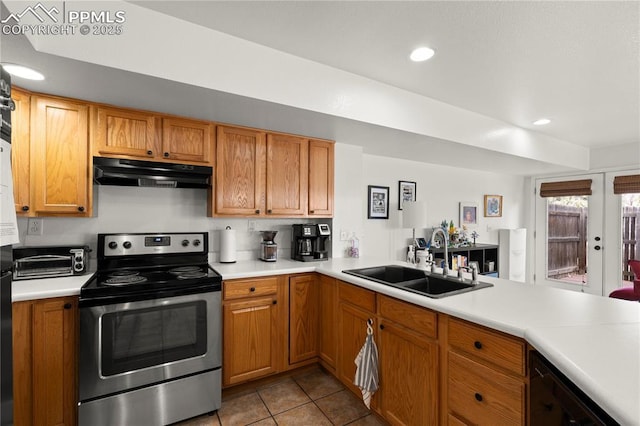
column 228, row 245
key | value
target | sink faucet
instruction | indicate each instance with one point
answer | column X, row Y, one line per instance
column 474, row 273
column 445, row 270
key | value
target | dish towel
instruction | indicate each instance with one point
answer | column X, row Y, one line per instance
column 367, row 367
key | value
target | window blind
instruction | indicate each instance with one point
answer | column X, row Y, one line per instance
column 626, row 184
column 566, row 188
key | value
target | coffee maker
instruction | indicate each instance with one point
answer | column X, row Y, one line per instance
column 309, row 242
column 268, row 247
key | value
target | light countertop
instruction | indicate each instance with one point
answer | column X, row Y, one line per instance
column 593, row 340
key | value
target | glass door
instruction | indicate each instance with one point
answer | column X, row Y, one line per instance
column 569, row 237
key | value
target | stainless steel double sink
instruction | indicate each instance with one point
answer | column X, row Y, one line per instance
column 417, row 280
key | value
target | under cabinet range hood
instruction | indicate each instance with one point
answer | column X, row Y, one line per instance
column 122, row 172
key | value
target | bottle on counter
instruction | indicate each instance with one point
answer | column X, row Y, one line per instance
column 354, row 250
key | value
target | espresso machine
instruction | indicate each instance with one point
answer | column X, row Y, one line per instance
column 309, row 242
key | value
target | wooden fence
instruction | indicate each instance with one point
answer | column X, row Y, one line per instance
column 568, row 240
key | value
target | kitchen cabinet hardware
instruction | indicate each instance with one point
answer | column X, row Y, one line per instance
column 149, row 152
column 381, row 326
column 166, row 155
column 312, row 211
column 257, row 211
column 269, row 211
column 252, row 289
column 25, row 208
column 275, row 302
column 597, row 247
column 80, row 209
column 477, row 344
column 478, row 397
column 67, row 305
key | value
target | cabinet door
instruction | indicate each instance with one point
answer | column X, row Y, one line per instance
column 59, row 157
column 45, row 359
column 20, row 150
column 287, row 175
column 54, row 361
column 187, row 140
column 408, row 376
column 250, row 339
column 125, row 132
column 351, row 337
column 328, row 320
column 321, row 178
column 240, row 171
column 303, row 318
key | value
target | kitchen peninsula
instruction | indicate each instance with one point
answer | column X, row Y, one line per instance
column 594, row 341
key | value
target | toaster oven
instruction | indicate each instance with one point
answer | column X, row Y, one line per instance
column 49, row 262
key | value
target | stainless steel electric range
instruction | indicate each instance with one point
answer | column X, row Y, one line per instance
column 150, row 331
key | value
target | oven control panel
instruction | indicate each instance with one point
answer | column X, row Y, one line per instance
column 144, row 244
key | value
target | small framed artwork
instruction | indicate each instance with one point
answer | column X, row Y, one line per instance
column 493, row 205
column 378, row 202
column 468, row 213
column 406, row 192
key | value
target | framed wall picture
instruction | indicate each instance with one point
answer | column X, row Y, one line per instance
column 378, row 202
column 406, row 192
column 468, row 213
column 493, row 205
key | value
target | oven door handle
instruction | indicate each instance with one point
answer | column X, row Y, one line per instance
column 43, row 258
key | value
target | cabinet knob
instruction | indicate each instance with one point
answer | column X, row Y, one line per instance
column 67, row 306
column 149, row 152
column 275, row 302
column 252, row 289
column 257, row 211
column 312, row 211
column 477, row 344
column 166, row 155
column 25, row 208
column 381, row 326
column 80, row 209
column 269, row 211
column 478, row 396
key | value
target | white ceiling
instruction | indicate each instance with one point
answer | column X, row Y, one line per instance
column 577, row 63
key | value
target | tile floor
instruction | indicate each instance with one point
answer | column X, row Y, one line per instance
column 308, row 399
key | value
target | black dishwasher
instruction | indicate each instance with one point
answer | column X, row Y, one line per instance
column 555, row 400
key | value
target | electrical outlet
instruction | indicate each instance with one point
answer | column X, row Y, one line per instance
column 34, row 226
column 251, row 226
column 344, row 235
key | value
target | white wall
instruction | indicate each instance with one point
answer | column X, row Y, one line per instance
column 443, row 188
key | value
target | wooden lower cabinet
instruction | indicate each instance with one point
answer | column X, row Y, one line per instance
column 253, row 329
column 303, row 318
column 408, row 364
column 45, row 336
column 485, row 375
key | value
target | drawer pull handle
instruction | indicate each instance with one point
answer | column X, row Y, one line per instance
column 25, row 208
column 252, row 289
column 275, row 302
column 381, row 326
column 478, row 397
column 67, row 306
column 477, row 344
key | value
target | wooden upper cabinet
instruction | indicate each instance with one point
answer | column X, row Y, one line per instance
column 60, row 170
column 240, row 171
column 321, row 178
column 187, row 140
column 287, row 175
column 20, row 150
column 116, row 131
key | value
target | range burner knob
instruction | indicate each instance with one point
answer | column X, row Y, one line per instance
column 113, row 245
column 185, row 243
column 126, row 244
column 196, row 243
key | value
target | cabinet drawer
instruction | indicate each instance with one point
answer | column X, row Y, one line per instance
column 238, row 289
column 357, row 296
column 414, row 317
column 504, row 351
column 483, row 395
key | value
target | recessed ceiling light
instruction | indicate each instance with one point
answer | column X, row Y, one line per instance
column 542, row 122
column 422, row 54
column 24, row 72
